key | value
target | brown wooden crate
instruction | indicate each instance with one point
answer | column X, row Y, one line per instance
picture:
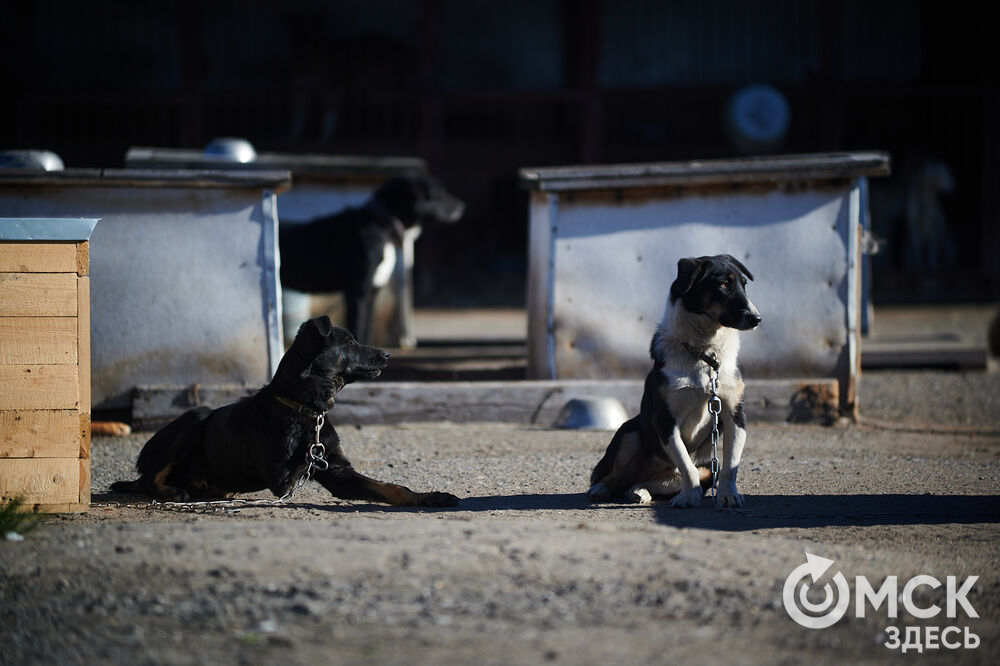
column 83, row 340
column 39, row 258
column 41, row 434
column 39, row 340
column 40, row 480
column 29, row 387
column 38, row 294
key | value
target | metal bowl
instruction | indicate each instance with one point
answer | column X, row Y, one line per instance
column 230, row 149
column 591, row 414
column 44, row 160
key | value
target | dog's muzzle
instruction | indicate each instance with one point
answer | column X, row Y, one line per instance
column 749, row 320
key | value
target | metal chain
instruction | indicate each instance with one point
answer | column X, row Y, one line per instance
column 315, row 460
column 715, row 408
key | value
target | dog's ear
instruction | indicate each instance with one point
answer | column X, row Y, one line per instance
column 322, row 325
column 688, row 272
column 736, row 262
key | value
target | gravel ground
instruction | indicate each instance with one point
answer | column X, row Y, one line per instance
column 524, row 570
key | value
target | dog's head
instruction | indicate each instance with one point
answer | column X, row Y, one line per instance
column 716, row 286
column 419, row 198
column 323, row 359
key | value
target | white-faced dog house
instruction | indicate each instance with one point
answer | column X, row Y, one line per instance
column 183, row 282
column 605, row 240
column 322, row 185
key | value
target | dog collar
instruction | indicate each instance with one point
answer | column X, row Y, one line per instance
column 709, row 360
column 298, row 407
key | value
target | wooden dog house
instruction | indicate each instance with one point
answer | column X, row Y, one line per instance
column 45, row 363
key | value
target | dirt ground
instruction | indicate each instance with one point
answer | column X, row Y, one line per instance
column 524, row 570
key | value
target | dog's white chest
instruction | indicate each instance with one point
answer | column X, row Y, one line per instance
column 385, row 268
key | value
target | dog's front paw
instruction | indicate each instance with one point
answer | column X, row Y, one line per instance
column 438, row 499
column 599, row 493
column 639, row 496
column 732, row 499
column 687, row 499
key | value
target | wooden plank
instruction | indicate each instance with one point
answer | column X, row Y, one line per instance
column 83, row 340
column 39, row 340
column 26, row 387
column 84, row 439
column 84, row 487
column 153, row 406
column 40, row 434
column 38, row 294
column 40, row 480
column 83, row 258
column 535, row 402
column 60, row 508
column 277, row 180
column 967, row 355
column 34, row 257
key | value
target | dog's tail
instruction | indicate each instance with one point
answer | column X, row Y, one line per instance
column 125, row 486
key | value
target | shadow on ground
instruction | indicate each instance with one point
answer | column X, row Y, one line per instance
column 760, row 512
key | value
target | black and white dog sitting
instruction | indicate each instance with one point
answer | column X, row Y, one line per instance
column 262, row 441
column 355, row 251
column 663, row 451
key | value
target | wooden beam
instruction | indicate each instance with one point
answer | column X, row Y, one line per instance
column 530, row 402
column 83, row 341
column 83, row 258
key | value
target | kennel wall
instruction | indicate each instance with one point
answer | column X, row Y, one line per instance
column 322, row 185
column 183, row 268
column 604, row 243
column 45, row 363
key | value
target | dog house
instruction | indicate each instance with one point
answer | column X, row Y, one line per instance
column 323, row 184
column 45, row 363
column 183, row 269
column 605, row 240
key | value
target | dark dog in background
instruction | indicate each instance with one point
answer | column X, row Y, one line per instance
column 262, row 441
column 663, row 451
column 355, row 251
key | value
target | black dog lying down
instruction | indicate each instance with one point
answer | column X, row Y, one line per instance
column 262, row 441
column 354, row 251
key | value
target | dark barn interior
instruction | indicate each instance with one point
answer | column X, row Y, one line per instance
column 480, row 88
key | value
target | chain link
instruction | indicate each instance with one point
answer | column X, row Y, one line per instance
column 315, row 460
column 715, row 408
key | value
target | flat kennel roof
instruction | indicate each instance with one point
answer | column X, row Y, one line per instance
column 302, row 165
column 768, row 169
column 278, row 181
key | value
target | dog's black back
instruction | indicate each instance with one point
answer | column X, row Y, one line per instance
column 341, row 252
